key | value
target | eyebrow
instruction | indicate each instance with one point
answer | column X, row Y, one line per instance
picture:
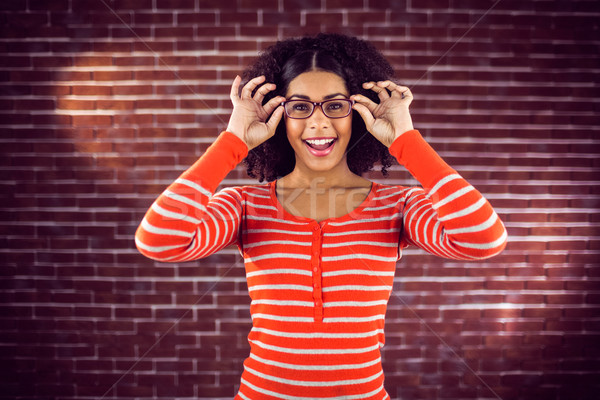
column 329, row 96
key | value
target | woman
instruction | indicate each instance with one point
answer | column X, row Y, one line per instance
column 320, row 242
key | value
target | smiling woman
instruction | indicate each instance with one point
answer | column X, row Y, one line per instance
column 320, row 242
column 354, row 61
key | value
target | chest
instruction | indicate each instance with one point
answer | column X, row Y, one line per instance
column 319, row 204
column 301, row 270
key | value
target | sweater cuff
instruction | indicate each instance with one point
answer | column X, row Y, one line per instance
column 219, row 159
column 420, row 159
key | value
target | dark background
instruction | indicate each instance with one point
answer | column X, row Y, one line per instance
column 104, row 102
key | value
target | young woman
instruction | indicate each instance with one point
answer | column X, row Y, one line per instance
column 320, row 242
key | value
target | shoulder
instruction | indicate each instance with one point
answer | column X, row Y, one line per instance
column 239, row 197
column 397, row 194
column 390, row 191
column 245, row 191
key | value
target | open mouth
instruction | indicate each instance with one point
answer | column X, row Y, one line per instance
column 320, row 147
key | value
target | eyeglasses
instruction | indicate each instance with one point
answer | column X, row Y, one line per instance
column 300, row 109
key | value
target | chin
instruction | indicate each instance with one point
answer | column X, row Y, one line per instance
column 325, row 165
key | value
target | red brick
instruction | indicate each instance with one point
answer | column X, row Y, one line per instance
column 128, row 90
column 565, row 299
column 331, row 18
column 91, row 120
column 475, row 285
column 91, row 90
column 112, row 75
column 179, row 119
column 67, row 104
column 502, row 313
column 182, row 32
column 115, row 104
column 155, row 104
column 504, row 340
column 524, row 326
column 566, row 271
column 504, row 285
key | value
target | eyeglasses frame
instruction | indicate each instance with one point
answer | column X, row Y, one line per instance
column 317, row 104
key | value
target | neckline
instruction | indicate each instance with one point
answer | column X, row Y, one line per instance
column 289, row 216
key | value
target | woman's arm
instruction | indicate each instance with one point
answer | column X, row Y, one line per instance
column 187, row 222
column 448, row 217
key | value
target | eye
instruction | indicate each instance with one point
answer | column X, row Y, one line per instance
column 300, row 106
column 335, row 106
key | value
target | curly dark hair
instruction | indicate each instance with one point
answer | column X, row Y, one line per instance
column 356, row 61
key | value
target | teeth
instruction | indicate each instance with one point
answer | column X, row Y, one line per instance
column 319, row 142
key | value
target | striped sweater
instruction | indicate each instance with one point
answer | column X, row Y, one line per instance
column 319, row 291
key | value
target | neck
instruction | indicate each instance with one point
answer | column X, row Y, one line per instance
column 341, row 176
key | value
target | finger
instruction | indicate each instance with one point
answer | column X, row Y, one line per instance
column 274, row 120
column 405, row 91
column 273, row 104
column 392, row 87
column 251, row 85
column 406, row 94
column 368, row 85
column 389, row 85
column 365, row 101
column 262, row 91
column 365, row 114
column 382, row 92
column 235, row 88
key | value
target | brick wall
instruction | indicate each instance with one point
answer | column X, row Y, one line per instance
column 104, row 102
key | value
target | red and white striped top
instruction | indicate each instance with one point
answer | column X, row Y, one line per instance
column 319, row 290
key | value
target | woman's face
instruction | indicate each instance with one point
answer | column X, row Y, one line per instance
column 319, row 142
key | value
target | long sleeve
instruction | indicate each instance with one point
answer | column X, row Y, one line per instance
column 187, row 221
column 448, row 217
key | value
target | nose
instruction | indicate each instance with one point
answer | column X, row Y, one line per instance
column 318, row 119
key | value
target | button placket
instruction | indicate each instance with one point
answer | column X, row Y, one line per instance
column 316, row 273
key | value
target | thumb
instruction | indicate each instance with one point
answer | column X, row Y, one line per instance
column 274, row 120
column 365, row 114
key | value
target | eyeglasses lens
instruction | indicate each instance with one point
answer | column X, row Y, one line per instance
column 331, row 108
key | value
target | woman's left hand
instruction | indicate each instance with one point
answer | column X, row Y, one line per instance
column 390, row 118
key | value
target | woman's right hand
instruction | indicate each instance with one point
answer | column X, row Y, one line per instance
column 250, row 119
